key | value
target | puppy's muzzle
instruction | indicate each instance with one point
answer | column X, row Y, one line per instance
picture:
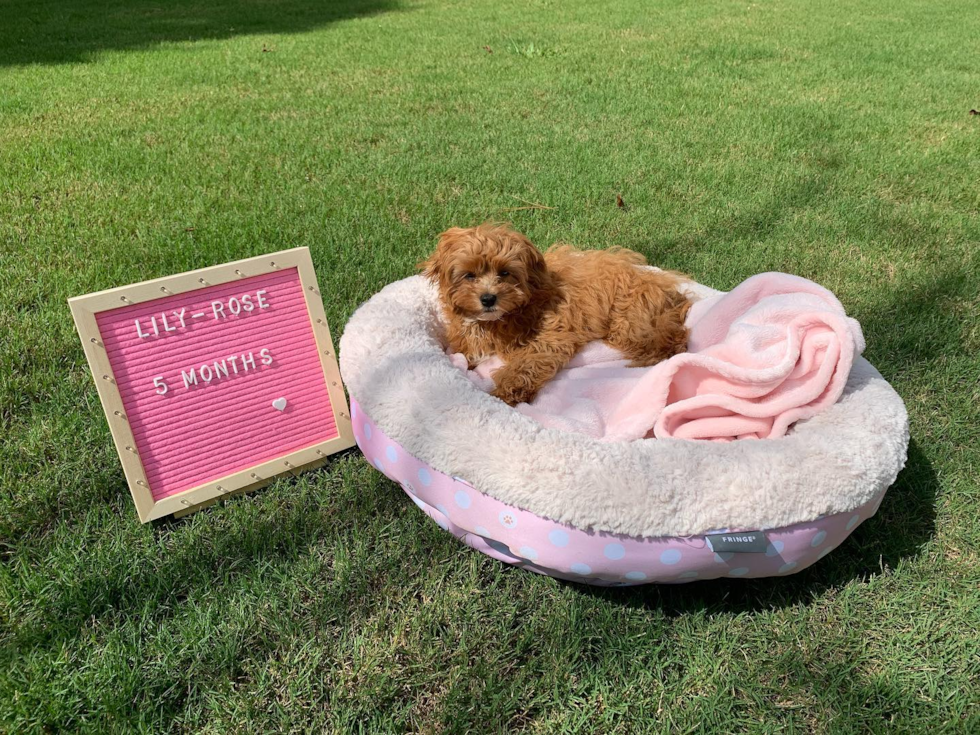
column 488, row 300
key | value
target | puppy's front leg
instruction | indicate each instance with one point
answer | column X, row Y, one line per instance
column 527, row 370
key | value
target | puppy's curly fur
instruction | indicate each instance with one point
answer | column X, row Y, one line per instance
column 502, row 297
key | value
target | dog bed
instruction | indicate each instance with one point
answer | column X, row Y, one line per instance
column 609, row 514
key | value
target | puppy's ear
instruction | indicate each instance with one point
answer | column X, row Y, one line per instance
column 435, row 266
column 537, row 274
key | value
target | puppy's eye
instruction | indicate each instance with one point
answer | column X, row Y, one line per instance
column 469, row 276
column 504, row 274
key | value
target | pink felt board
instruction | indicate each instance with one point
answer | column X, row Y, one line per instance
column 196, row 433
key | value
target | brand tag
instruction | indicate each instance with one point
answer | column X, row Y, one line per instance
column 745, row 542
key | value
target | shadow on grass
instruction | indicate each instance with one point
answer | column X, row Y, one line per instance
column 60, row 31
column 757, row 222
column 181, row 562
column 921, row 322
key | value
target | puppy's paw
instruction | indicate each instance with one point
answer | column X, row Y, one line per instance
column 513, row 394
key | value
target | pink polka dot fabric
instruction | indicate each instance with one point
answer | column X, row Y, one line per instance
column 523, row 539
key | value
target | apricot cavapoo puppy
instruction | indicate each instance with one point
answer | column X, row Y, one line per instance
column 502, row 297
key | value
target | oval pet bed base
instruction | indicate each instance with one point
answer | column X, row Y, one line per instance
column 608, row 514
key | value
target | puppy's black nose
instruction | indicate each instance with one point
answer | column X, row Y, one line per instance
column 488, row 300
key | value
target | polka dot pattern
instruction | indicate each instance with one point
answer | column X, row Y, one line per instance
column 537, row 544
column 558, row 538
column 670, row 556
column 614, row 551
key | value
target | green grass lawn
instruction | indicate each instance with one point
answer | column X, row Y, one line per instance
column 140, row 138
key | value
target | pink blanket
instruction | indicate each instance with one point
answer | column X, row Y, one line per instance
column 774, row 350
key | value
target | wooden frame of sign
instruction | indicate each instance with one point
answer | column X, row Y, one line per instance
column 87, row 312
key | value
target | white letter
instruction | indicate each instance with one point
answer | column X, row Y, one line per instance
column 266, row 357
column 247, row 360
column 216, row 307
column 188, row 379
column 234, row 305
column 247, row 302
column 166, row 327
column 153, row 321
column 220, row 367
column 234, row 367
column 140, row 331
column 180, row 315
column 261, row 302
column 160, row 385
column 210, row 374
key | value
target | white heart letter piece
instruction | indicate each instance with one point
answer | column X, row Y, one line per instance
column 279, row 404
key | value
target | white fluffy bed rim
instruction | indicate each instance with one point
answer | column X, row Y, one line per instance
column 393, row 363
